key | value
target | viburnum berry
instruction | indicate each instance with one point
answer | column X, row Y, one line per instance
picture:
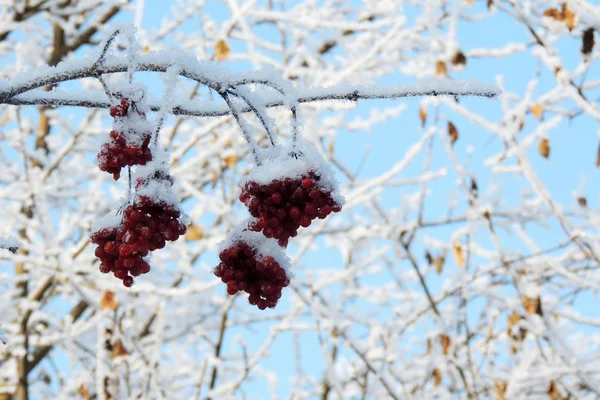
column 289, row 190
column 282, row 206
column 256, row 265
column 129, row 142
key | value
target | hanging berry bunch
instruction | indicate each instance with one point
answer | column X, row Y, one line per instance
column 288, row 188
column 253, row 264
column 129, row 139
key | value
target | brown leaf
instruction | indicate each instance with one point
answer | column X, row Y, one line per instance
column 437, row 376
column 423, row 115
column 459, row 255
column 553, row 391
column 533, row 305
column 459, row 58
column 553, row 13
column 446, row 342
column 582, row 201
column 428, row 346
column 428, row 257
column 83, row 392
column 439, row 264
column 452, row 132
column 109, row 301
column 544, row 147
column 511, row 321
column 440, row 68
column 587, row 41
column 118, row 350
column 230, row 160
column 568, row 16
column 221, row 50
column 490, row 3
column 598, row 157
column 214, row 175
column 194, row 233
column 537, row 110
column 501, row 387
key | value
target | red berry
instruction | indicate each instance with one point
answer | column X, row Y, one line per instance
column 128, row 281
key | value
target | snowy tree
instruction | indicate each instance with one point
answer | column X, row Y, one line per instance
column 299, row 200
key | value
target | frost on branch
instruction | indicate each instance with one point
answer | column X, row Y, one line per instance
column 11, row 244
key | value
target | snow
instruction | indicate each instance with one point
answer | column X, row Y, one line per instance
column 110, row 220
column 264, row 246
column 11, row 243
column 277, row 163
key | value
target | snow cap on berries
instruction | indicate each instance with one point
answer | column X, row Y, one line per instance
column 277, row 163
column 108, row 221
column 264, row 247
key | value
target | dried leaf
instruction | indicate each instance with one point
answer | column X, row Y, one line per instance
column 533, row 305
column 544, row 148
column 230, row 160
column 331, row 146
column 428, row 346
column 428, row 257
column 490, row 3
column 214, row 175
column 582, row 201
column 83, row 392
column 440, row 68
column 445, row 342
column 501, row 387
column 6, row 119
column 459, row 255
column 452, row 132
column 553, row 391
column 598, row 157
column 423, row 115
column 436, row 374
column 568, row 16
column 118, row 350
column 439, row 264
column 511, row 321
column 228, row 143
column 553, row 13
column 194, row 232
column 146, row 49
column 459, row 58
column 221, row 50
column 109, row 301
column 537, row 110
column 587, row 41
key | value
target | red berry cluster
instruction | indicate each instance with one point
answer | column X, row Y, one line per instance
column 242, row 268
column 119, row 254
column 283, row 206
column 120, row 151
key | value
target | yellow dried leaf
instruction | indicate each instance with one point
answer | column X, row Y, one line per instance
column 582, row 201
column 445, row 342
column 532, row 305
column 553, row 391
column 6, row 119
column 109, row 301
column 229, row 143
column 221, row 50
column 331, row 146
column 440, row 68
column 537, row 110
column 452, row 132
column 437, row 376
column 553, row 13
column 501, row 387
column 512, row 320
column 459, row 255
column 83, row 392
column 146, row 49
column 439, row 264
column 214, row 175
column 194, row 232
column 568, row 16
column 423, row 115
column 544, row 148
column 118, row 350
column 230, row 160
